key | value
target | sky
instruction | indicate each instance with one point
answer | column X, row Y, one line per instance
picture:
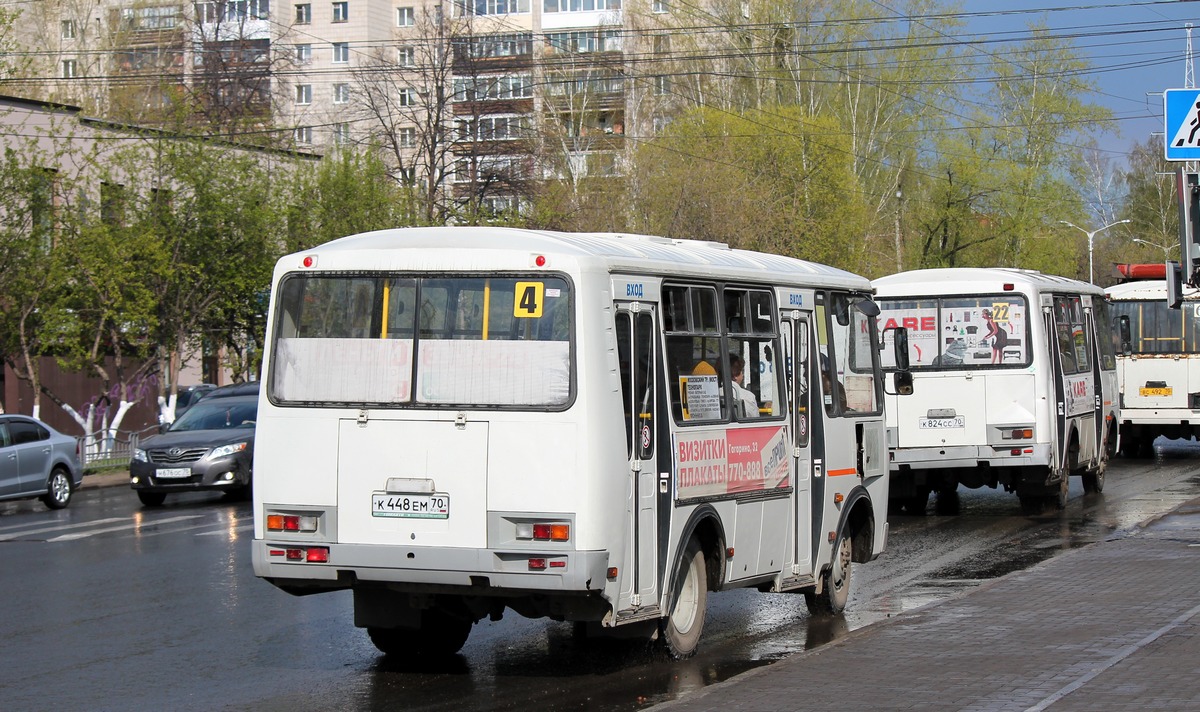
column 1137, row 49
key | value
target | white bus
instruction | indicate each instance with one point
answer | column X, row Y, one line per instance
column 1015, row 385
column 1158, row 365
column 457, row 421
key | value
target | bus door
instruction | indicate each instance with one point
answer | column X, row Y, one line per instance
column 1100, row 394
column 636, row 344
column 1056, row 339
column 797, row 358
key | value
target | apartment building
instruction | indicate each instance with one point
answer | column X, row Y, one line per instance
column 475, row 99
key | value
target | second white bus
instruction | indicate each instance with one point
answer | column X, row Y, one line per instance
column 1014, row 384
column 1158, row 365
column 457, row 422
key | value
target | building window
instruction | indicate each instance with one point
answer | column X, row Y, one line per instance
column 585, row 41
column 68, row 29
column 341, row 134
column 516, row 86
column 659, row 6
column 407, row 137
column 662, row 44
column 405, row 17
column 341, row 93
column 304, row 93
column 408, row 97
column 662, row 85
column 406, row 56
column 490, row 7
column 304, row 14
column 579, row 5
column 303, row 53
column 341, row 11
column 303, row 134
column 69, row 69
column 341, row 52
column 407, row 176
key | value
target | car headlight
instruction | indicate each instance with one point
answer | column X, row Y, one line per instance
column 227, row 450
column 140, row 455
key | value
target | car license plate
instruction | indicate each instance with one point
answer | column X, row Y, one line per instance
column 958, row 421
column 1147, row 392
column 166, row 473
column 415, row 506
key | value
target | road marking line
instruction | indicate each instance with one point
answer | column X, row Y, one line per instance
column 239, row 529
column 1121, row 655
column 57, row 527
column 130, row 525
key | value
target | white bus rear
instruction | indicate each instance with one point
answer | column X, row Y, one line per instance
column 460, row 421
column 1014, row 386
column 1158, row 363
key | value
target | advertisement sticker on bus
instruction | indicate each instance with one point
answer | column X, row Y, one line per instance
column 731, row 461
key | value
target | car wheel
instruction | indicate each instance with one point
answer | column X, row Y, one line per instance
column 58, row 489
column 151, row 499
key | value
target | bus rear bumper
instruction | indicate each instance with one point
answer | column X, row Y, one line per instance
column 479, row 570
column 939, row 458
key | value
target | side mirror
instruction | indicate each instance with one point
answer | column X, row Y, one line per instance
column 903, row 383
column 1126, row 339
column 900, row 347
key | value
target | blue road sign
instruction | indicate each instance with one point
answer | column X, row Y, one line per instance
column 1182, row 131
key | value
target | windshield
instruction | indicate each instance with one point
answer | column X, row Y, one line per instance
column 393, row 339
column 960, row 332
column 217, row 414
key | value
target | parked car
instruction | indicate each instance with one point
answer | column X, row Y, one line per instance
column 188, row 396
column 37, row 461
column 210, row 447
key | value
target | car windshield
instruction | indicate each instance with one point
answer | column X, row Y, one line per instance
column 218, row 414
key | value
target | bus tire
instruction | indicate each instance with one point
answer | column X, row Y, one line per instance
column 835, row 582
column 1032, row 504
column 682, row 627
column 1131, row 446
column 947, row 502
column 1093, row 482
column 441, row 635
column 918, row 502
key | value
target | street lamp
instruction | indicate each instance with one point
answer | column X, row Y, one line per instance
column 1165, row 248
column 1091, row 236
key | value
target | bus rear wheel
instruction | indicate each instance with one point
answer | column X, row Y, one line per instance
column 441, row 634
column 682, row 627
column 835, row 582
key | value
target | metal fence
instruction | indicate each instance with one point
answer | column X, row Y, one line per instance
column 100, row 451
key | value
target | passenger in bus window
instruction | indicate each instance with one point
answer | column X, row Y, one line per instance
column 744, row 403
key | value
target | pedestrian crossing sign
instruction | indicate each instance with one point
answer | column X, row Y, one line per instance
column 1182, row 131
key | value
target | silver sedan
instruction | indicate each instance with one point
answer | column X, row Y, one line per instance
column 37, row 461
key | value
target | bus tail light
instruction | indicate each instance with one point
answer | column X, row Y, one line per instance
column 541, row 563
column 1022, row 434
column 291, row 523
column 312, row 554
column 543, row 531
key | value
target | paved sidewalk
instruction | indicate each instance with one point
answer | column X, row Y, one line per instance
column 107, row 478
column 1111, row 626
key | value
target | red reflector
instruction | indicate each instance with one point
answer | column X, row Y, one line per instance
column 1016, row 451
column 295, row 554
column 541, row 531
column 291, row 523
column 537, row 564
column 1008, row 287
column 1029, row 451
column 558, row 564
column 318, row 555
column 275, row 552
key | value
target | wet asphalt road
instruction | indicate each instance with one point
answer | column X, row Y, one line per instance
column 111, row 606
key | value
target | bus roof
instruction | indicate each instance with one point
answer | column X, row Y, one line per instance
column 976, row 280
column 483, row 248
column 1147, row 290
